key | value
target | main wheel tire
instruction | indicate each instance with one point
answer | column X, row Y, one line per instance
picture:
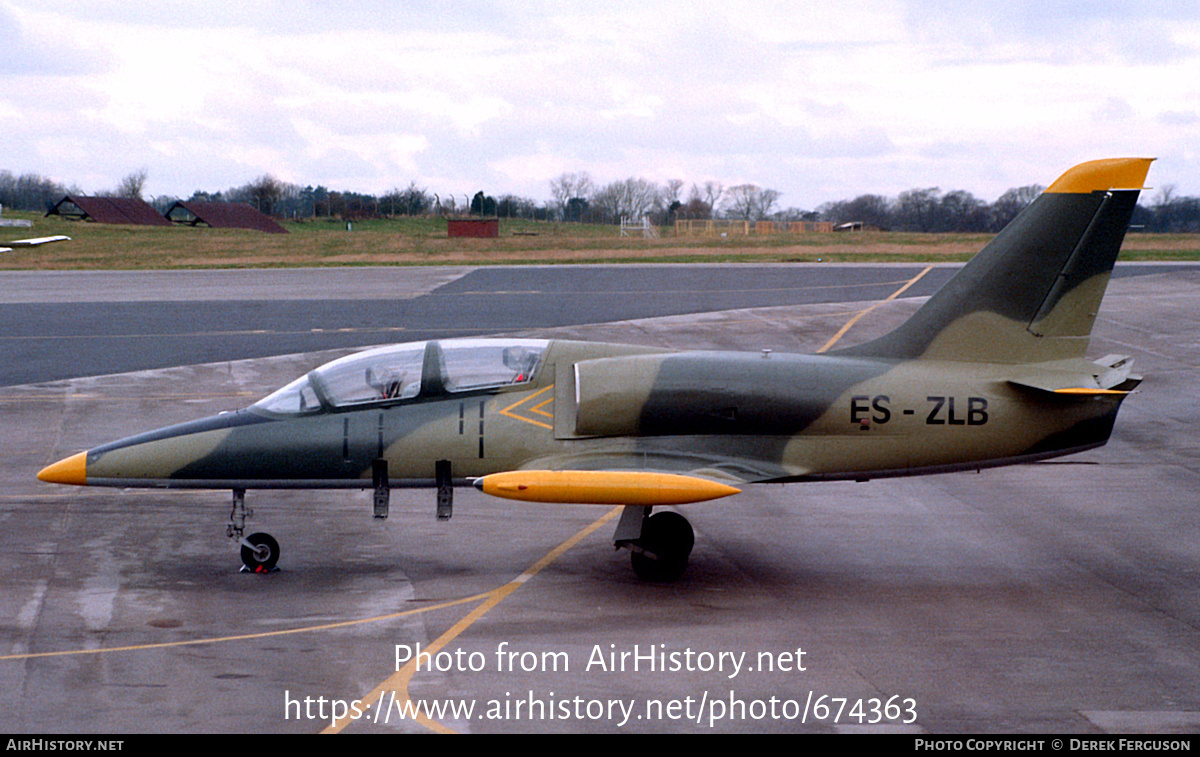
column 668, row 538
column 262, row 557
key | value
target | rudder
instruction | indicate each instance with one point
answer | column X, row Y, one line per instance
column 1031, row 294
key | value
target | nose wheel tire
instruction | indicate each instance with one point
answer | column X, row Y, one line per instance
column 262, row 556
column 663, row 550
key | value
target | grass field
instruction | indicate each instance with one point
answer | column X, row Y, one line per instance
column 423, row 241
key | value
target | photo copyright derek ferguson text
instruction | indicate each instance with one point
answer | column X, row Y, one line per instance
column 705, row 707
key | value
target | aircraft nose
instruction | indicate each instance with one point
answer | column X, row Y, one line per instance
column 72, row 470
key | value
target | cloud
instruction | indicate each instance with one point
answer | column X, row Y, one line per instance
column 27, row 54
column 815, row 100
column 1059, row 33
column 1178, row 118
column 1113, row 109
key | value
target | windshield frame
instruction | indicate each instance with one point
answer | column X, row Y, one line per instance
column 429, row 370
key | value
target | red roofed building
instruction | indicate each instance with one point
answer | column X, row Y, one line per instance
column 108, row 210
column 223, row 215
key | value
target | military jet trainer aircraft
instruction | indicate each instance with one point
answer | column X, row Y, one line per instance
column 990, row 371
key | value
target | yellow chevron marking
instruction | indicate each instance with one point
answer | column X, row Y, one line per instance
column 508, row 411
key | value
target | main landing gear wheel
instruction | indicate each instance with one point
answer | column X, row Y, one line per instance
column 662, row 552
column 262, row 556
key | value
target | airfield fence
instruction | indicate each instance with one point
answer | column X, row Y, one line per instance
column 709, row 228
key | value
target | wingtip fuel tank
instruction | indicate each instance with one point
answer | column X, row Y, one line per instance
column 603, row 487
column 71, row 470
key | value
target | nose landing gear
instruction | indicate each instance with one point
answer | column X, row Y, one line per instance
column 260, row 551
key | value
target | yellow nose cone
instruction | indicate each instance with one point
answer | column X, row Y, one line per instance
column 72, row 470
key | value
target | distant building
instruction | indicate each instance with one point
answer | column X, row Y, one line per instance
column 223, row 215
column 24, row 223
column 857, row 226
column 127, row 210
column 473, row 227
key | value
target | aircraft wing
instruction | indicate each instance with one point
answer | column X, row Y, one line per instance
column 34, row 242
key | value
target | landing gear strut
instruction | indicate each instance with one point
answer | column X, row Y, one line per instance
column 659, row 544
column 260, row 551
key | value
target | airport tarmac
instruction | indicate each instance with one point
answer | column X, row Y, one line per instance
column 67, row 324
column 1062, row 597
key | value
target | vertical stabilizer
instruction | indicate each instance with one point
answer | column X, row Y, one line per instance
column 1031, row 295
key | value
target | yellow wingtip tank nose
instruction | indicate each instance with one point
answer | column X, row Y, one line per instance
column 602, row 487
column 72, row 470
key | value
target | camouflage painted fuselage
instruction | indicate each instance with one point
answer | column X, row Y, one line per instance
column 726, row 416
column 989, row 372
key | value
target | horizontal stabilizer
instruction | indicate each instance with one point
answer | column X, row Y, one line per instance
column 602, row 487
column 1109, row 376
column 1070, row 391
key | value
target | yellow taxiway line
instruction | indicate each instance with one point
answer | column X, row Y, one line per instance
column 249, row 636
column 842, row 331
column 398, row 682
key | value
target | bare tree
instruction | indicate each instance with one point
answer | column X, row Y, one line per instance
column 571, row 186
column 31, row 191
column 1173, row 214
column 265, row 192
column 916, row 209
column 1165, row 196
column 696, row 207
column 641, row 196
column 750, row 202
column 712, row 193
column 513, row 206
column 631, row 198
column 163, row 203
column 873, row 210
column 766, row 201
column 607, row 202
column 1011, row 203
column 413, row 201
column 133, row 185
column 670, row 192
column 960, row 210
column 669, row 199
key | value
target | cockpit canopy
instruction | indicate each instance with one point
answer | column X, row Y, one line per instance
column 387, row 375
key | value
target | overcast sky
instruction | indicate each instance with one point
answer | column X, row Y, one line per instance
column 822, row 100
